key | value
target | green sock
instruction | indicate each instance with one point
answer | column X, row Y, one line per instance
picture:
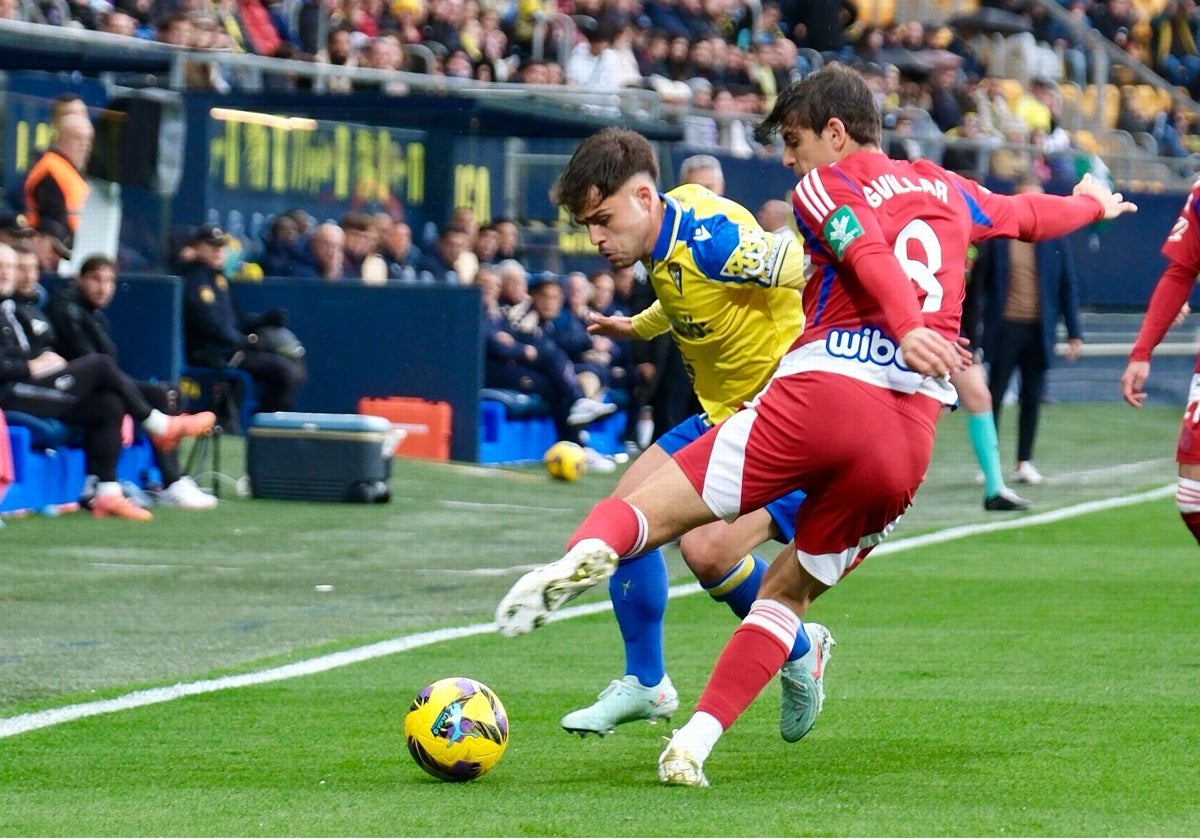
column 982, row 429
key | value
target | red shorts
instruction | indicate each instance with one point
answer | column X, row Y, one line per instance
column 859, row 451
column 1188, row 449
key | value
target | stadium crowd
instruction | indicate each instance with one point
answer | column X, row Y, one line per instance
column 718, row 58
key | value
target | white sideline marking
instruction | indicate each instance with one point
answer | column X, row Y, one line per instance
column 50, row 717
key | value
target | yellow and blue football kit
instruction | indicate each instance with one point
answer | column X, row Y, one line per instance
column 731, row 335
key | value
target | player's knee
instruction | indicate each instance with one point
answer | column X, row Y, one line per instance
column 708, row 559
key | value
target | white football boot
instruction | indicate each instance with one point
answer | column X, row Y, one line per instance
column 624, row 700
column 803, row 684
column 679, row 766
column 540, row 592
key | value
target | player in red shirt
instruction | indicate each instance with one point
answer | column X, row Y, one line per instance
column 850, row 414
column 1167, row 304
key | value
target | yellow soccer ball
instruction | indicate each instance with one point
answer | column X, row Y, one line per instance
column 565, row 461
column 456, row 729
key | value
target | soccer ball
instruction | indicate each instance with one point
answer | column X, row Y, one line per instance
column 565, row 460
column 456, row 729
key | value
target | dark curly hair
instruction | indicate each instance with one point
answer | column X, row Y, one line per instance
column 600, row 166
column 834, row 91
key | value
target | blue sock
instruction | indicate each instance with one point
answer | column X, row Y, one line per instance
column 638, row 590
column 982, row 430
column 739, row 589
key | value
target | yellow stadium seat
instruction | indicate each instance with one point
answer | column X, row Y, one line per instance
column 1085, row 140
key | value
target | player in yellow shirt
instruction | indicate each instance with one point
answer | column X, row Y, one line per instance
column 731, row 337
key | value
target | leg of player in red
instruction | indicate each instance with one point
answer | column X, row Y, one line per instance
column 874, row 448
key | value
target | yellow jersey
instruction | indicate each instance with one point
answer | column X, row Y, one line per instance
column 709, row 255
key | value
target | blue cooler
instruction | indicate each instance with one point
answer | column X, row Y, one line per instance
column 320, row 457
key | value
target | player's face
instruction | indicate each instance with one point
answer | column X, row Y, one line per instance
column 804, row 149
column 621, row 226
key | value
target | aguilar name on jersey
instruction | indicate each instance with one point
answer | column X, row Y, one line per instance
column 730, row 334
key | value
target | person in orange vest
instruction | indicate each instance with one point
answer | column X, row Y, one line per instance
column 56, row 187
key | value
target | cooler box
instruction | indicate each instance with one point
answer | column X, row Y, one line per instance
column 426, row 423
column 319, row 457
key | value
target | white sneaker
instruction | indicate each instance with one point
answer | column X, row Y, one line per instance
column 803, row 683
column 586, row 410
column 185, row 493
column 540, row 592
column 622, row 701
column 598, row 462
column 1027, row 473
column 677, row 766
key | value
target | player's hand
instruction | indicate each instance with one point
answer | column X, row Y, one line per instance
column 1114, row 203
column 928, row 353
column 1133, row 380
column 613, row 326
column 1074, row 349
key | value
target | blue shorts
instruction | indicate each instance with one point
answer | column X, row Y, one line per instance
column 782, row 511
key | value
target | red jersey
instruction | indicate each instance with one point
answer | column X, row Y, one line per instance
column 1174, row 287
column 888, row 242
column 1183, row 242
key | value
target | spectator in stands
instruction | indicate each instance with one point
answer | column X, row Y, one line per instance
column 81, row 327
column 593, row 63
column 463, row 218
column 339, row 51
column 509, row 247
column 945, row 107
column 10, row 10
column 437, row 264
column 384, row 52
column 89, row 391
column 902, row 144
column 514, row 287
column 1111, row 16
column 821, row 24
column 56, row 186
column 1169, row 130
column 991, row 105
column 967, row 158
column 361, row 259
column 117, row 22
column 704, row 170
column 280, row 246
column 530, row 366
column 215, row 336
column 487, row 244
column 29, row 287
column 1028, row 288
column 400, row 254
column 323, row 255
column 1174, row 53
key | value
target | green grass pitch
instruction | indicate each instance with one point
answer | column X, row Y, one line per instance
column 1041, row 680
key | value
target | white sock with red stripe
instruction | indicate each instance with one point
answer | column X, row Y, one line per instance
column 749, row 661
column 619, row 524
